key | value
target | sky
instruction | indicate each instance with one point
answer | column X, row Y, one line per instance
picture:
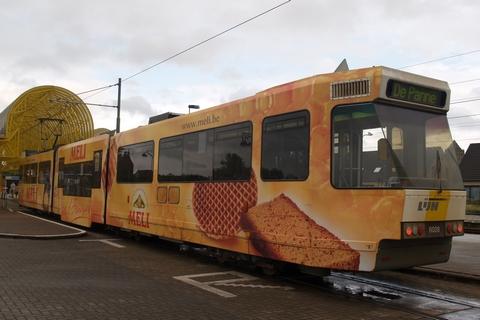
column 90, row 44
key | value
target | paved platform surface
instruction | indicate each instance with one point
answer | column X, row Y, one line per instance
column 464, row 258
column 17, row 224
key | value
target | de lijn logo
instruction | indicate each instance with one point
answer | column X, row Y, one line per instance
column 138, row 214
column 428, row 205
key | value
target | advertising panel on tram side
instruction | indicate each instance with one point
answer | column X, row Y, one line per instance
column 35, row 188
column 80, row 175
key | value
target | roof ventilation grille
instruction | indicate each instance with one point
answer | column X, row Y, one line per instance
column 350, row 89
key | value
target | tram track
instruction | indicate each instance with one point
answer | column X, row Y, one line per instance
column 426, row 304
column 407, row 290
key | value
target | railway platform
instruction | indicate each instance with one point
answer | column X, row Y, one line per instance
column 17, row 224
column 472, row 223
column 464, row 260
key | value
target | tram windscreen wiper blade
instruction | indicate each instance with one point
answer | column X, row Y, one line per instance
column 438, row 167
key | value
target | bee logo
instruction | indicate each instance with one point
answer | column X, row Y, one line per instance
column 139, row 204
column 139, row 215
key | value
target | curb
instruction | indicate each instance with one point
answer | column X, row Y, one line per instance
column 78, row 233
column 437, row 273
column 471, row 227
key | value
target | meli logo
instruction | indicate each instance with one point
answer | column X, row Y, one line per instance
column 138, row 214
column 78, row 152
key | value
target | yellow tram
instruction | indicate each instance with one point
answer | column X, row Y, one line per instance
column 351, row 170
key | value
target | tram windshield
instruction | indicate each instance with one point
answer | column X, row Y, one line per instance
column 383, row 146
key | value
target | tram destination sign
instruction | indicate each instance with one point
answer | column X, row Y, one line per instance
column 416, row 94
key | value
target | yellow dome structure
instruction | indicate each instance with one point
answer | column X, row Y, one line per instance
column 40, row 119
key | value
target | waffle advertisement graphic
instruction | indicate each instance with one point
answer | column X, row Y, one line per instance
column 219, row 207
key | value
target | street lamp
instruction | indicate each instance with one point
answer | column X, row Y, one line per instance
column 193, row 106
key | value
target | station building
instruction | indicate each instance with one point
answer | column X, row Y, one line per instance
column 38, row 120
column 470, row 168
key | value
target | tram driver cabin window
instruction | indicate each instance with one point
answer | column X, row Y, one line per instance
column 285, row 146
column 135, row 163
column 361, row 146
column 376, row 145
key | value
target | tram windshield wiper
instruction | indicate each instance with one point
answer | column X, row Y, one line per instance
column 438, row 166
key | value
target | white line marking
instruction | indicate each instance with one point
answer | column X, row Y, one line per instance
column 10, row 210
column 205, row 285
column 239, row 277
column 63, row 235
column 256, row 286
column 63, row 225
column 106, row 241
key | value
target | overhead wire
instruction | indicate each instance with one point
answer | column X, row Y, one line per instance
column 98, row 92
column 465, row 116
column 465, row 100
column 206, row 40
column 466, row 126
column 478, row 138
column 441, row 59
column 464, row 81
column 104, row 88
column 97, row 89
column 242, row 23
column 458, row 101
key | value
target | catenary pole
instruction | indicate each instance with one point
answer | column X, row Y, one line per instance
column 118, row 103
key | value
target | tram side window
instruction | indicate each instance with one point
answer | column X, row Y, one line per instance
column 233, row 152
column 197, row 156
column 44, row 172
column 135, row 163
column 219, row 154
column 97, row 169
column 285, row 146
column 30, row 173
column 171, row 159
column 77, row 179
column 61, row 164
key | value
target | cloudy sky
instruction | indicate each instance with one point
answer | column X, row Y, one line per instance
column 89, row 44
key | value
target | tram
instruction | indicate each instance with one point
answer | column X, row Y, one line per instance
column 353, row 170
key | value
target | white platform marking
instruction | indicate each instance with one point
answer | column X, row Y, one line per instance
column 256, row 286
column 239, row 277
column 60, row 224
column 80, row 231
column 106, row 241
